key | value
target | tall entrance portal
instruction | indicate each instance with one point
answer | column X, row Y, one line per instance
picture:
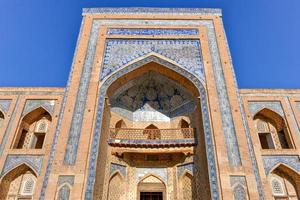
column 152, row 144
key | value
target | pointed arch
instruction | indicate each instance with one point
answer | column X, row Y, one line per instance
column 153, row 132
column 183, row 124
column 284, row 182
column 13, row 182
column 120, row 124
column 187, row 186
column 29, row 134
column 272, row 130
column 148, row 175
column 192, row 80
column 239, row 192
column 116, row 187
column 63, row 192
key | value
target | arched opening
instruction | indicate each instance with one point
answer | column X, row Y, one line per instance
column 120, row 124
column 284, row 183
column 239, row 192
column 187, row 187
column 151, row 187
column 272, row 130
column 152, row 99
column 33, row 130
column 64, row 192
column 183, row 124
column 1, row 119
column 116, row 187
column 19, row 183
column 152, row 132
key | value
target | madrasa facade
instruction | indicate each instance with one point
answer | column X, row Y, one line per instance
column 151, row 111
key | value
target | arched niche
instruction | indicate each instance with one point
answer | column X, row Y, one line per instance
column 151, row 186
column 18, row 183
column 272, row 130
column 32, row 129
column 284, row 183
column 116, row 187
column 187, row 186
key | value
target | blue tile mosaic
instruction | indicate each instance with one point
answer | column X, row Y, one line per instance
column 163, row 11
column 160, row 172
column 30, row 105
column 148, row 31
column 271, row 161
column 119, row 52
column 114, row 167
column 13, row 161
column 187, row 167
column 256, row 106
column 4, row 105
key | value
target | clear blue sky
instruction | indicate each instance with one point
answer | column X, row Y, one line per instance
column 37, row 38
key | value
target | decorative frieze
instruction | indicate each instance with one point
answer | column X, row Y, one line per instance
column 149, row 31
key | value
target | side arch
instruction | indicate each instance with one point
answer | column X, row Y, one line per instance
column 204, row 109
column 63, row 192
column 12, row 183
column 116, row 187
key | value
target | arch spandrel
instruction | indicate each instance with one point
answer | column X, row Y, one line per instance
column 205, row 115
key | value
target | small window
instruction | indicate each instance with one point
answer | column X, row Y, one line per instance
column 266, row 141
column 277, row 187
column 28, row 187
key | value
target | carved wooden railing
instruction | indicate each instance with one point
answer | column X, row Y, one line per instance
column 151, row 136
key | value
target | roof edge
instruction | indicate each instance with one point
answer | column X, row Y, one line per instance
column 153, row 10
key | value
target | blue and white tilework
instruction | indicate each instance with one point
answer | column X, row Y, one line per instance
column 62, row 179
column 60, row 120
column 13, row 161
column 4, row 105
column 189, row 167
column 271, row 161
column 114, row 167
column 256, row 106
column 30, row 105
column 152, row 97
column 160, row 172
column 76, row 123
column 239, row 185
column 119, row 52
column 149, row 31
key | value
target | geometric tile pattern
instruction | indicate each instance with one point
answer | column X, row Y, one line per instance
column 13, row 161
column 119, row 52
column 160, row 172
column 141, row 31
column 271, row 161
column 30, row 105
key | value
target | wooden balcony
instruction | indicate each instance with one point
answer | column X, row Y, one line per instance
column 152, row 138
